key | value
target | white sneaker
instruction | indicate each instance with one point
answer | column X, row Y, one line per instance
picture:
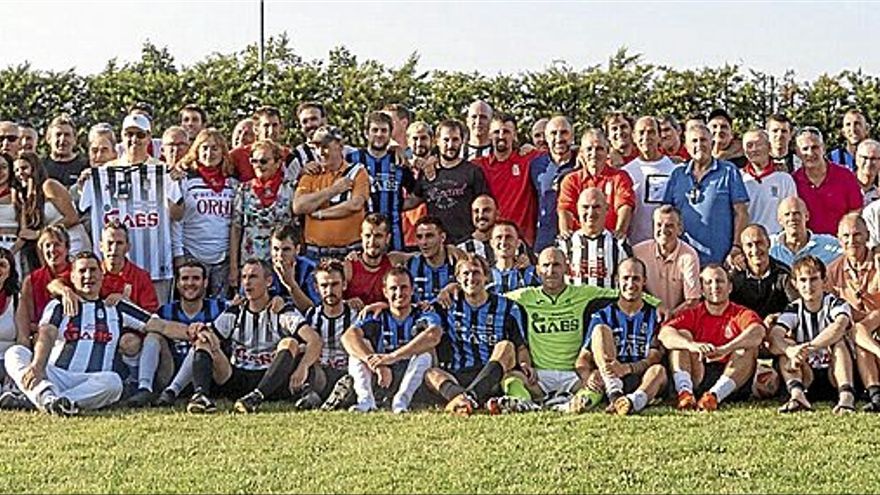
column 363, row 407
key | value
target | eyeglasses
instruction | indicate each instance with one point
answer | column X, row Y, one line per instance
column 261, row 161
column 9, row 137
column 137, row 134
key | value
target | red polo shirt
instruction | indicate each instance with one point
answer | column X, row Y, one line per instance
column 143, row 293
column 40, row 279
column 838, row 194
column 615, row 183
column 711, row 329
column 510, row 184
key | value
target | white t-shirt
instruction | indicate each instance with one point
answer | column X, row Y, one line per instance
column 649, row 185
column 204, row 229
column 765, row 195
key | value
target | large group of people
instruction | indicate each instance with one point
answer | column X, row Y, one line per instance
column 443, row 264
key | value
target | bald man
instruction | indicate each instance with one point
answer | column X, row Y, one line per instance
column 766, row 185
column 795, row 241
column 547, row 171
column 593, row 251
column 479, row 144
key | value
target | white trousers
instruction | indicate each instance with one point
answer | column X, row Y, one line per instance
column 412, row 379
column 87, row 390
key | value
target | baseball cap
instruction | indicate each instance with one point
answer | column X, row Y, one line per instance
column 720, row 112
column 137, row 121
column 326, row 133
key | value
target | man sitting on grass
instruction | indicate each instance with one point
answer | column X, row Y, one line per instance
column 393, row 347
column 808, row 337
column 260, row 340
column 713, row 344
column 621, row 344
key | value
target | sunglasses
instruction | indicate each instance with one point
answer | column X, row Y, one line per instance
column 261, row 161
column 138, row 134
column 9, row 137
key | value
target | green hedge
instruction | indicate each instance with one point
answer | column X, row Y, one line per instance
column 230, row 87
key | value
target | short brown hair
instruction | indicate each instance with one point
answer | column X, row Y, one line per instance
column 809, row 262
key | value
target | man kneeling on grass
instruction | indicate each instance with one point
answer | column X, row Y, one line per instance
column 71, row 366
column 713, row 344
column 254, row 333
column 394, row 346
column 808, row 337
column 621, row 342
column 482, row 340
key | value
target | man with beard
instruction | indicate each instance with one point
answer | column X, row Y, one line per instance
column 650, row 173
column 713, row 345
column 454, row 185
column 593, row 171
column 854, row 130
column 192, row 307
column 508, row 177
column 330, row 319
column 392, row 348
column 766, row 185
column 618, row 127
column 389, row 181
column 294, row 275
column 400, row 117
column 484, row 214
column 546, row 173
column 539, row 138
column 779, row 130
column 479, row 144
column 364, row 273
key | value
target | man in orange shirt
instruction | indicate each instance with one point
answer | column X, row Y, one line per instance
column 334, row 201
column 594, row 171
column 714, row 344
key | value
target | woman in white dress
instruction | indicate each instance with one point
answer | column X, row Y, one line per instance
column 9, row 288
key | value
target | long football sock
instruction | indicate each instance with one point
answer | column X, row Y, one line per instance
column 486, row 381
column 203, row 371
column 613, row 386
column 514, row 387
column 639, row 400
column 278, row 374
column 723, row 388
column 683, row 381
column 450, row 390
column 184, row 375
column 148, row 363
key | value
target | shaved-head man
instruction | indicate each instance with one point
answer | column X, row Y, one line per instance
column 766, row 185
column 795, row 240
column 546, row 172
column 479, row 115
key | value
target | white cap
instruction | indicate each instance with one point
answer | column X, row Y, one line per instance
column 137, row 121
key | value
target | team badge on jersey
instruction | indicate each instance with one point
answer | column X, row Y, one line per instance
column 515, row 170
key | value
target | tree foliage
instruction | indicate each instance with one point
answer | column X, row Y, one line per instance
column 232, row 86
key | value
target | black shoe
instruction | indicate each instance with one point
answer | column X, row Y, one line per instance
column 249, row 403
column 872, row 407
column 166, row 399
column 62, row 406
column 341, row 396
column 141, row 398
column 15, row 401
column 309, row 400
column 201, row 404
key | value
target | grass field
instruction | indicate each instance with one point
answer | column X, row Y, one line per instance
column 743, row 448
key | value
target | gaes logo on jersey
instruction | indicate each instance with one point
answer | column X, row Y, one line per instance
column 136, row 220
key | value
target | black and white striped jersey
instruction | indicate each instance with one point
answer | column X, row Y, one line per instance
column 331, row 330
column 803, row 325
column 253, row 337
column 594, row 260
column 87, row 342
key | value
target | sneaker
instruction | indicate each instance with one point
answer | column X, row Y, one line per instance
column 583, row 401
column 61, row 406
column 461, row 405
column 249, row 403
column 708, row 402
column 510, row 405
column 309, row 400
column 686, row 401
column 201, row 404
column 871, row 407
column 141, row 398
column 623, row 406
column 166, row 399
column 341, row 395
column 15, row 401
column 362, row 408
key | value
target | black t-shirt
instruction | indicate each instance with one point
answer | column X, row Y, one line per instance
column 449, row 197
column 765, row 296
column 66, row 172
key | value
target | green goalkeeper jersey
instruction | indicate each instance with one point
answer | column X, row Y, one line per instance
column 555, row 325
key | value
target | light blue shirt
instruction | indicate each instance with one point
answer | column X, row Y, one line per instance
column 823, row 246
column 707, row 207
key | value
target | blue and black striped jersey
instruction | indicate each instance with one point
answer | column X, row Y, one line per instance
column 470, row 333
column 634, row 335
column 427, row 280
column 211, row 309
column 388, row 180
column 386, row 333
column 504, row 281
column 304, row 273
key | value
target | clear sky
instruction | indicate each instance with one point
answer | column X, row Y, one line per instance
column 507, row 36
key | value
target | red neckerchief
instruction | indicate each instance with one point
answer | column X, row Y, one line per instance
column 213, row 177
column 750, row 169
column 267, row 191
column 3, row 298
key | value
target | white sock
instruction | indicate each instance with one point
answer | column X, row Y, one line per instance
column 613, row 385
column 412, row 380
column 148, row 363
column 363, row 384
column 723, row 388
column 184, row 375
column 683, row 382
column 639, row 400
